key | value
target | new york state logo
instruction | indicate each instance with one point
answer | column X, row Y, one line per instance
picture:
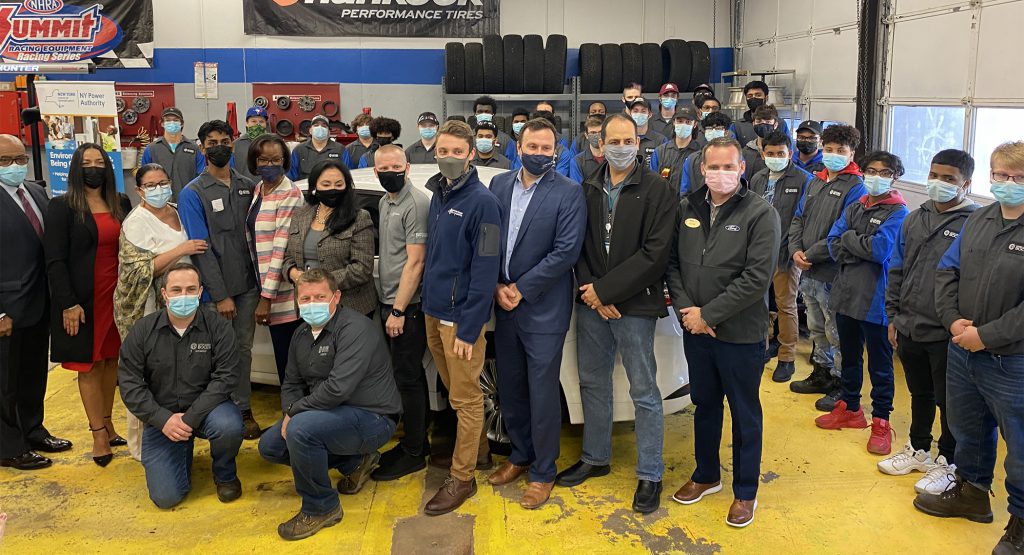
column 48, row 31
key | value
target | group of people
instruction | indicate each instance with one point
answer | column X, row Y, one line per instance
column 727, row 219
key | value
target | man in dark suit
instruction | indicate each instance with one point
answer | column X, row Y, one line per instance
column 24, row 306
column 543, row 220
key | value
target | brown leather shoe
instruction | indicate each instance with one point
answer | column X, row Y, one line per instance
column 741, row 513
column 483, row 461
column 506, row 474
column 452, row 494
column 692, row 492
column 537, row 493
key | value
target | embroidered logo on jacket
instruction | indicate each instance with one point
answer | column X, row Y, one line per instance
column 950, row 234
column 454, row 212
column 732, row 227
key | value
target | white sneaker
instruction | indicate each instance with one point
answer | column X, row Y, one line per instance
column 937, row 479
column 906, row 461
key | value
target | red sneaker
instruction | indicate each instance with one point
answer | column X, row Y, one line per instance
column 880, row 442
column 841, row 418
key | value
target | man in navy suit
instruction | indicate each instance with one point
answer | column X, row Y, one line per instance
column 24, row 320
column 543, row 221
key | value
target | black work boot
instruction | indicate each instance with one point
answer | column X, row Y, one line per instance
column 820, row 381
column 828, row 402
column 961, row 499
column 1012, row 542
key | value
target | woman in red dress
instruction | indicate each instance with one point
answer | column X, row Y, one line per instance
column 82, row 231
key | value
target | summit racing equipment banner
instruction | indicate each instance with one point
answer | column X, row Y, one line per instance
column 372, row 18
column 112, row 34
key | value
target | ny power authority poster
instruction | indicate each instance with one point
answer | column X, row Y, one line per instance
column 75, row 113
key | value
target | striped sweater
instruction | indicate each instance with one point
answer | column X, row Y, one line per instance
column 270, row 236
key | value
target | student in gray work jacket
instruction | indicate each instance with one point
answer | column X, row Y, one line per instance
column 422, row 151
column 255, row 126
column 179, row 156
column 319, row 147
column 720, row 268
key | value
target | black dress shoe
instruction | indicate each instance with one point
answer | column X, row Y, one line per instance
column 579, row 473
column 50, row 444
column 29, row 460
column 648, row 497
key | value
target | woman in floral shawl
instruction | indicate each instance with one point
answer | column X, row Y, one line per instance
column 152, row 239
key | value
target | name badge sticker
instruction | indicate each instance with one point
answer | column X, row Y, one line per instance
column 218, row 205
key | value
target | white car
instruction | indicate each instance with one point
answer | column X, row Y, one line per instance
column 673, row 375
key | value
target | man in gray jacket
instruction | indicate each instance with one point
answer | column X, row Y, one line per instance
column 720, row 268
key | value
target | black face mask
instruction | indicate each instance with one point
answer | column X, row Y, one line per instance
column 763, row 130
column 94, row 178
column 219, row 155
column 807, row 147
column 754, row 103
column 385, row 140
column 391, row 181
column 331, row 198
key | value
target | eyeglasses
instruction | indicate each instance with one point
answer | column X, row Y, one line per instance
column 155, row 186
column 8, row 160
column 269, row 161
column 879, row 173
column 996, row 176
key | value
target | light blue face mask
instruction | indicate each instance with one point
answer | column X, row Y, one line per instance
column 183, row 306
column 157, row 197
column 484, row 117
column 877, row 185
column 172, row 127
column 320, row 133
column 14, row 174
column 712, row 134
column 683, row 130
column 315, row 314
column 517, row 127
column 1008, row 193
column 776, row 164
column 940, row 191
column 640, row 118
column 833, row 161
column 668, row 102
column 485, row 145
column 363, row 131
column 428, row 133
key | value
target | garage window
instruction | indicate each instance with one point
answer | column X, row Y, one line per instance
column 992, row 127
column 916, row 133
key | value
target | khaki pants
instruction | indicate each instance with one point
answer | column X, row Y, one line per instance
column 787, row 283
column 462, row 378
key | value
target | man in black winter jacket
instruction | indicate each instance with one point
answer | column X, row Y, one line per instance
column 630, row 216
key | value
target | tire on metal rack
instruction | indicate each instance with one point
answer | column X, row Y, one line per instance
column 474, row 68
column 632, row 64
column 513, row 63
column 533, row 64
column 494, row 67
column 700, row 68
column 677, row 61
column 611, row 68
column 454, row 117
column 554, row 64
column 653, row 66
column 590, row 68
column 454, row 68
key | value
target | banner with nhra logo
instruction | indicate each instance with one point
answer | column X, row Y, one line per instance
column 372, row 18
column 111, row 34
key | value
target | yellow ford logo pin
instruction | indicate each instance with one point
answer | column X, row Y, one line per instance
column 692, row 222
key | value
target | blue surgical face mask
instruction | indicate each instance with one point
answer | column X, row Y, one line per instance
column 776, row 164
column 363, row 131
column 485, row 145
column 1008, row 193
column 428, row 132
column 940, row 191
column 640, row 118
column 712, row 134
column 14, row 174
column 683, row 130
column 183, row 306
column 484, row 117
column 172, row 127
column 668, row 102
column 517, row 127
column 157, row 197
column 320, row 133
column 833, row 161
column 315, row 314
column 877, row 185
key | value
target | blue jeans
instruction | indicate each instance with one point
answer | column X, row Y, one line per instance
column 718, row 371
column 319, row 440
column 597, row 341
column 168, row 463
column 821, row 322
column 853, row 336
column 985, row 394
column 244, row 324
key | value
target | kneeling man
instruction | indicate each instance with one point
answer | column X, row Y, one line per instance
column 340, row 403
column 178, row 369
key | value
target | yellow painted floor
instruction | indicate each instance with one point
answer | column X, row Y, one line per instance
column 820, row 493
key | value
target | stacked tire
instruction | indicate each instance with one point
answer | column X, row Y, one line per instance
column 609, row 68
column 512, row 64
